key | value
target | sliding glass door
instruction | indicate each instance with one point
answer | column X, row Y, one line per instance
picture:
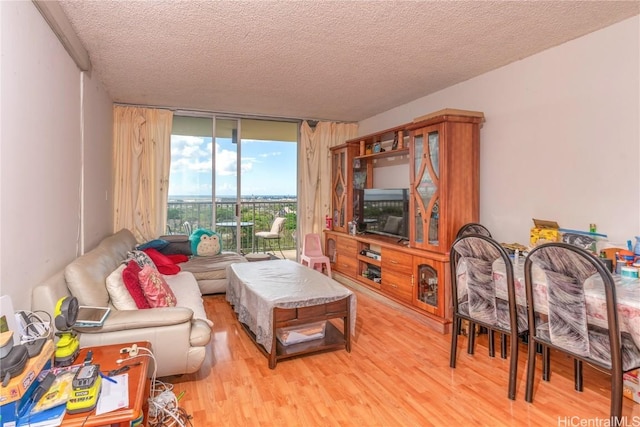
column 234, row 176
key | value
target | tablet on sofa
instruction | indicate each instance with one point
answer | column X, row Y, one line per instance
column 91, row 316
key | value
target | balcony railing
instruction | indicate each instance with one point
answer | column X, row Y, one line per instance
column 254, row 215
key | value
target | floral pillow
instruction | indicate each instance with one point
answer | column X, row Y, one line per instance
column 141, row 258
column 155, row 288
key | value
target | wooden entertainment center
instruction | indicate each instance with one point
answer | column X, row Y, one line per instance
column 442, row 154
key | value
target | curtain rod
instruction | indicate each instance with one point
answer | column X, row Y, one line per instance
column 177, row 110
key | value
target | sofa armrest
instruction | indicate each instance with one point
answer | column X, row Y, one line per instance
column 121, row 320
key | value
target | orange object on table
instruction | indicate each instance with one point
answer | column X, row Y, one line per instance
column 106, row 356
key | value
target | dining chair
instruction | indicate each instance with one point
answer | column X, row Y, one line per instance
column 312, row 255
column 473, row 228
column 477, row 228
column 559, row 321
column 475, row 300
column 274, row 234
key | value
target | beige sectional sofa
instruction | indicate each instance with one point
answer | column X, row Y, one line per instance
column 178, row 335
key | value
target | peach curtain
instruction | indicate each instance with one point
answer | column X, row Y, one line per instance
column 315, row 179
column 141, row 158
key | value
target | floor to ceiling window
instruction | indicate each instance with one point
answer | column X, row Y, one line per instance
column 234, row 176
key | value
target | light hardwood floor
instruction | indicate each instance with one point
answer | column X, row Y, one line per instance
column 397, row 374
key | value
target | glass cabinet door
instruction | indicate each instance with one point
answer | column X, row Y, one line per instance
column 425, row 190
column 339, row 189
column 428, row 285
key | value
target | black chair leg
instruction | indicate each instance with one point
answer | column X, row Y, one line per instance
column 492, row 351
column 457, row 323
column 513, row 365
column 503, row 346
column 546, row 362
column 472, row 338
column 531, row 370
column 577, row 374
column 616, row 400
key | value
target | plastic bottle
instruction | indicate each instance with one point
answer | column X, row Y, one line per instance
column 636, row 249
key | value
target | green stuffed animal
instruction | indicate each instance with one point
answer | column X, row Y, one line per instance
column 205, row 242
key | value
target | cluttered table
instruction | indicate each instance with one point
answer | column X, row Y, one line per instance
column 123, row 394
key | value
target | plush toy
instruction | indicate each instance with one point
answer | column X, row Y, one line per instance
column 205, row 242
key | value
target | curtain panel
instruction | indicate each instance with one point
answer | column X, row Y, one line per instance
column 315, row 180
column 142, row 159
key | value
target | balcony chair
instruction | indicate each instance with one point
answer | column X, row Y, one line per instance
column 186, row 227
column 274, row 234
column 312, row 255
column 566, row 327
column 474, row 296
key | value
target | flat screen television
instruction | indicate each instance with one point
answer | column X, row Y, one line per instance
column 385, row 211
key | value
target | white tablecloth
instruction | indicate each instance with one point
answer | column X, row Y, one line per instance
column 627, row 295
column 255, row 288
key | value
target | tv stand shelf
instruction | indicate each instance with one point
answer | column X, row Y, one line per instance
column 399, row 271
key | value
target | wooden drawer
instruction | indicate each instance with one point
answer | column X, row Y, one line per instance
column 396, row 261
column 397, row 285
column 312, row 313
column 347, row 246
column 347, row 264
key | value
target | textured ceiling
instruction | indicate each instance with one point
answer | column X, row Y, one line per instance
column 330, row 60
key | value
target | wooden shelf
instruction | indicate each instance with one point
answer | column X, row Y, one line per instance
column 389, row 153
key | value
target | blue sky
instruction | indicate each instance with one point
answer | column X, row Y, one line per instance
column 267, row 167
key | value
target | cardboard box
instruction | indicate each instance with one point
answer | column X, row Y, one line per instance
column 544, row 231
column 10, row 412
column 631, row 385
column 20, row 384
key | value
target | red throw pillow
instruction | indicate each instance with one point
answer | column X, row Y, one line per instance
column 132, row 282
column 178, row 258
column 163, row 263
column 155, row 288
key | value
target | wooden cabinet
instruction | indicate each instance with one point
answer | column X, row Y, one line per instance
column 397, row 274
column 415, row 278
column 440, row 153
column 445, row 179
column 431, row 281
column 346, row 255
column 342, row 185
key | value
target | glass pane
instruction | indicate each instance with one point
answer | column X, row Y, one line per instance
column 434, row 152
column 417, row 163
column 428, row 285
column 433, row 223
column 226, row 181
column 189, row 202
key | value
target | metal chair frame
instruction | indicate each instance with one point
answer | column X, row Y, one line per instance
column 458, row 316
column 615, row 340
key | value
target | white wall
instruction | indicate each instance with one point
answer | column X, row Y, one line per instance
column 41, row 163
column 561, row 139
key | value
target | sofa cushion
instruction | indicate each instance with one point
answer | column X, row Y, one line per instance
column 212, row 267
column 187, row 293
column 153, row 244
column 132, row 283
column 174, row 248
column 163, row 263
column 86, row 277
column 118, row 292
column 155, row 288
